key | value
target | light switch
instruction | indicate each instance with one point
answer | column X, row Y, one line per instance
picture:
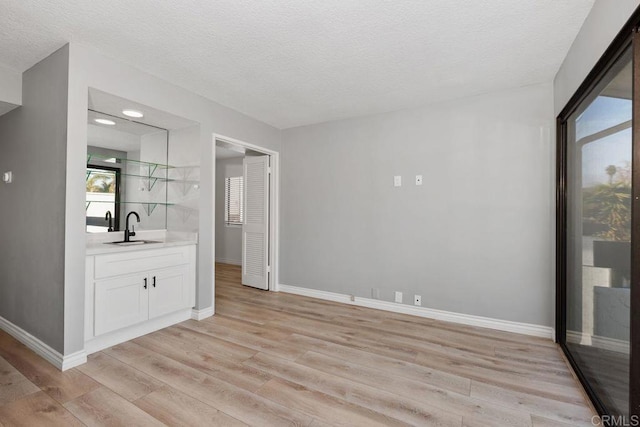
column 7, row 177
column 418, row 179
column 397, row 181
column 398, row 297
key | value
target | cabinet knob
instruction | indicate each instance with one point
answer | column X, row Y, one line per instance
column 145, row 283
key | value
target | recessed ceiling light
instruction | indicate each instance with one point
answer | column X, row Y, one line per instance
column 105, row 122
column 133, row 113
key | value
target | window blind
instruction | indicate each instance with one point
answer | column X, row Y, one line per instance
column 233, row 207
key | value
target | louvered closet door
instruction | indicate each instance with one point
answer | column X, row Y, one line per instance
column 255, row 228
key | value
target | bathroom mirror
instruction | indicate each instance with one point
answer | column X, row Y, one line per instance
column 127, row 171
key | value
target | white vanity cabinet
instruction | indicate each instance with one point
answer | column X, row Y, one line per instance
column 120, row 302
column 169, row 291
column 132, row 293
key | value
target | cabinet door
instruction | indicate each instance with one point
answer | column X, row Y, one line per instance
column 120, row 302
column 168, row 290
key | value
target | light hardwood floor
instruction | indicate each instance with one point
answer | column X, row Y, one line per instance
column 277, row 359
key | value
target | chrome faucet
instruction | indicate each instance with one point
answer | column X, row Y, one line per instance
column 128, row 234
column 109, row 218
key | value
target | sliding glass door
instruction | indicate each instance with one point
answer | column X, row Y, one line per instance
column 598, row 273
column 598, row 231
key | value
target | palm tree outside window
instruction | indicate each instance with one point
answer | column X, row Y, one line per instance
column 102, row 187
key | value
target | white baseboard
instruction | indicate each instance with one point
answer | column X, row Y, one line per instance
column 604, row 343
column 202, row 314
column 116, row 337
column 43, row 350
column 229, row 261
column 448, row 316
column 581, row 338
column 74, row 359
column 612, row 344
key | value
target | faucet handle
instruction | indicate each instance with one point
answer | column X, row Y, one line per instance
column 133, row 231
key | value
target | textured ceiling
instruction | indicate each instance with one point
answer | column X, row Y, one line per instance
column 292, row 62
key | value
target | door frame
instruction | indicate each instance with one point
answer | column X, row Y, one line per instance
column 274, row 204
column 627, row 37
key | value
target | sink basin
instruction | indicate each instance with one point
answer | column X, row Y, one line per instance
column 134, row 242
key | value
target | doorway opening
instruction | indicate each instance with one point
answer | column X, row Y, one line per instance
column 246, row 214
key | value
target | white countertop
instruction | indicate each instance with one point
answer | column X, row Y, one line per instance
column 98, row 243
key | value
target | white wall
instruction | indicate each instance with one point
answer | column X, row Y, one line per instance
column 603, row 23
column 228, row 239
column 88, row 69
column 473, row 239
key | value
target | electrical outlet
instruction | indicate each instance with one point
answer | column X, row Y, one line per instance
column 417, row 300
column 399, row 297
column 418, row 179
column 397, row 181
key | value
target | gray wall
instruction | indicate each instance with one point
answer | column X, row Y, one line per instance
column 602, row 24
column 33, row 141
column 10, row 89
column 10, row 86
column 474, row 239
column 228, row 239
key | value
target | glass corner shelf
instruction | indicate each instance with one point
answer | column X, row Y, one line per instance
column 150, row 179
column 148, row 207
column 111, row 159
column 149, row 172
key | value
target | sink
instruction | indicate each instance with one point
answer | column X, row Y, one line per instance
column 133, row 242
